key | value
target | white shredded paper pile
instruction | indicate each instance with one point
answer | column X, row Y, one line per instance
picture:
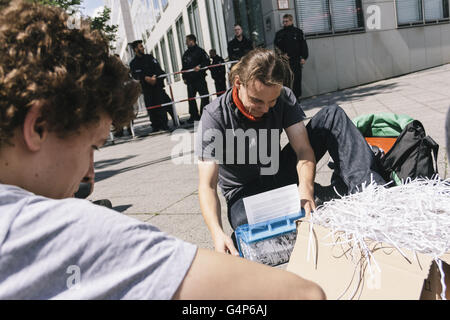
column 414, row 216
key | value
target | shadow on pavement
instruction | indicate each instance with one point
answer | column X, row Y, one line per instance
column 107, row 163
column 347, row 95
column 103, row 175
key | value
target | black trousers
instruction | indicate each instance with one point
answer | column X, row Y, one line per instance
column 296, row 68
column 201, row 88
column 158, row 116
column 329, row 130
column 220, row 86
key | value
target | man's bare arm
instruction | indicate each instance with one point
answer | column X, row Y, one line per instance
column 306, row 166
column 215, row 276
column 210, row 206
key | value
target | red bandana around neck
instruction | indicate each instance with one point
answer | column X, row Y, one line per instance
column 241, row 107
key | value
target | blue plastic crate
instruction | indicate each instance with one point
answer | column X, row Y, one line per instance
column 269, row 242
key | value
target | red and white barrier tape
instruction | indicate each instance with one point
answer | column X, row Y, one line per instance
column 192, row 70
column 184, row 100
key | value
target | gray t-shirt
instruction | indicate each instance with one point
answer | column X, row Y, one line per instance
column 72, row 249
column 248, row 147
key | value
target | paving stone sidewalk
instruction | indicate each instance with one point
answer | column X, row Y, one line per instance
column 142, row 180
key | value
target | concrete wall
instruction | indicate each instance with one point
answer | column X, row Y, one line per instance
column 342, row 61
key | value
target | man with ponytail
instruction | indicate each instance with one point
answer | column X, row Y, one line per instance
column 238, row 144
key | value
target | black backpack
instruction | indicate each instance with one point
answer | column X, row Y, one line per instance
column 411, row 156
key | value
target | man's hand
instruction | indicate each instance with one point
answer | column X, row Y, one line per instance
column 309, row 205
column 302, row 61
column 151, row 80
column 197, row 69
column 307, row 198
column 224, row 244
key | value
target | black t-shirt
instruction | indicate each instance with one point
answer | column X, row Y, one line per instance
column 237, row 49
column 195, row 56
column 291, row 40
column 243, row 148
column 144, row 66
column 218, row 73
column 148, row 66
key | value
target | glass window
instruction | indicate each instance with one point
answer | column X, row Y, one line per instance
column 194, row 22
column 249, row 16
column 181, row 35
column 216, row 24
column 156, row 10
column 157, row 54
column 314, row 16
column 409, row 11
column 213, row 31
column 435, row 10
column 173, row 54
column 164, row 4
column 412, row 12
column 329, row 16
column 165, row 60
column 344, row 15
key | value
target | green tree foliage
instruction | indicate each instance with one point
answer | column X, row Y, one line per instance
column 100, row 22
column 70, row 6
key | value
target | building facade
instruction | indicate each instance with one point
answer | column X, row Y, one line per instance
column 351, row 42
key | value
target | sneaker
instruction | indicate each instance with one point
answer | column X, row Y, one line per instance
column 193, row 119
column 104, row 203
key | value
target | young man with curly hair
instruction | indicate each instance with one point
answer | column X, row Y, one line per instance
column 60, row 91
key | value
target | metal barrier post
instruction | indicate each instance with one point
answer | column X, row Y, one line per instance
column 176, row 121
column 132, row 129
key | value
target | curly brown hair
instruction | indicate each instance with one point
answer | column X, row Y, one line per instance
column 70, row 69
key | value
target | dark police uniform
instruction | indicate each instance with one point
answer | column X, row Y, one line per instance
column 218, row 74
column 237, row 49
column 195, row 81
column 291, row 41
column 142, row 67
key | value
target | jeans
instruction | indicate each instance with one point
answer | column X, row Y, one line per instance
column 329, row 130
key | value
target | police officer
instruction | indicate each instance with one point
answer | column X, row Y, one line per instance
column 239, row 46
column 291, row 41
column 195, row 58
column 218, row 73
column 146, row 69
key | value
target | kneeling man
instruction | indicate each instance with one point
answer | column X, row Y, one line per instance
column 238, row 144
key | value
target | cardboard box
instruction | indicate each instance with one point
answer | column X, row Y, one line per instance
column 344, row 274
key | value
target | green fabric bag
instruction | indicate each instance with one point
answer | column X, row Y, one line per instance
column 382, row 124
column 413, row 151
